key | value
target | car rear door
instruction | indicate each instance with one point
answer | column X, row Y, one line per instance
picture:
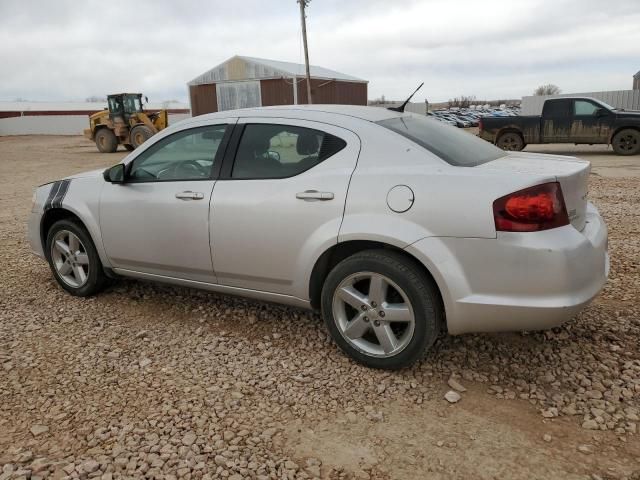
column 557, row 114
column 280, row 198
column 157, row 222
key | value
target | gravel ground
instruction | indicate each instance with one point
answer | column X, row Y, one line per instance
column 150, row 381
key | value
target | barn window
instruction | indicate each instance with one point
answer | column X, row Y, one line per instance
column 238, row 95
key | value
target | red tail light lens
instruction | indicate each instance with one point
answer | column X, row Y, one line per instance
column 531, row 210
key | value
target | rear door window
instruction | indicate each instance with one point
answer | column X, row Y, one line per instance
column 557, row 108
column 281, row 151
column 455, row 147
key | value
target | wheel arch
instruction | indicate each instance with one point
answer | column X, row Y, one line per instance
column 509, row 129
column 338, row 252
column 52, row 216
column 103, row 126
column 621, row 128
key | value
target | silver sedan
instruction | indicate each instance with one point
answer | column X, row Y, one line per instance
column 394, row 225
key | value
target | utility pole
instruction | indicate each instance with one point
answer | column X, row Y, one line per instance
column 303, row 4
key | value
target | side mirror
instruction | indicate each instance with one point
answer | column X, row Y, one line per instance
column 114, row 174
column 601, row 112
column 146, row 99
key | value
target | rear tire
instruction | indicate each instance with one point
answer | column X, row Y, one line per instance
column 139, row 135
column 626, row 142
column 106, row 141
column 73, row 259
column 511, row 141
column 388, row 330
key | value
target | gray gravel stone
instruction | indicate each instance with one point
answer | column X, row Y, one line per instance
column 39, row 430
column 156, row 381
column 452, row 396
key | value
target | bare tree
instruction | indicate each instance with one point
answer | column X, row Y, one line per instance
column 378, row 101
column 549, row 89
column 95, row 99
column 462, row 101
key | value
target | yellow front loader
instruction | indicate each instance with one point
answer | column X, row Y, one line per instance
column 124, row 123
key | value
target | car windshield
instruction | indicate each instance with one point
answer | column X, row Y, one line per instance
column 455, row 147
column 132, row 104
column 606, row 105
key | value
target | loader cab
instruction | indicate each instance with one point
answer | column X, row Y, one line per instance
column 124, row 105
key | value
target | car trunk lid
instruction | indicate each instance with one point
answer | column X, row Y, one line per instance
column 572, row 174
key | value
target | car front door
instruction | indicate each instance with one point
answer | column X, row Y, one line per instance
column 280, row 198
column 556, row 120
column 591, row 122
column 157, row 221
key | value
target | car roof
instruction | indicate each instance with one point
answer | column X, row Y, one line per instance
column 339, row 113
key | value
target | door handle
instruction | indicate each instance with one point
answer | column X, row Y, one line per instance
column 312, row 195
column 189, row 195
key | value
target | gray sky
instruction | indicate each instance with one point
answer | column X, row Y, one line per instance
column 69, row 50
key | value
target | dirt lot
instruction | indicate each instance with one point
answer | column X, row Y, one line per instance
column 161, row 382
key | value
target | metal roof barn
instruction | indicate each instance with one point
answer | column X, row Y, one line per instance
column 245, row 82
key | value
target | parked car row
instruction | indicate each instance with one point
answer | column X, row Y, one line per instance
column 465, row 118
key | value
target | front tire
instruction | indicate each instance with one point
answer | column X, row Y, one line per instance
column 626, row 142
column 106, row 141
column 73, row 259
column 511, row 141
column 381, row 309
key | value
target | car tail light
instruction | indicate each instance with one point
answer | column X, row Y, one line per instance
column 480, row 126
column 531, row 210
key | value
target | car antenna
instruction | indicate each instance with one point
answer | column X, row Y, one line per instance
column 401, row 107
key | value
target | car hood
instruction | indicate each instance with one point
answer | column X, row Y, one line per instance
column 90, row 174
column 635, row 114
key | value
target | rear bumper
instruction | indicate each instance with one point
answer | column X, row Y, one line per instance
column 518, row 281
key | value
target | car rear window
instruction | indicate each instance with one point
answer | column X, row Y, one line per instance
column 454, row 146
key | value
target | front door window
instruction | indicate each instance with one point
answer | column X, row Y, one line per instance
column 186, row 155
column 583, row 107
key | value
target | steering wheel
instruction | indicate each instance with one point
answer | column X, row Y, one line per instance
column 145, row 171
column 186, row 169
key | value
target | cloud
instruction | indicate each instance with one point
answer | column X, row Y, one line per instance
column 491, row 49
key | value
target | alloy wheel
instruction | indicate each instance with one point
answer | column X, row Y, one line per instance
column 373, row 314
column 627, row 142
column 510, row 142
column 70, row 258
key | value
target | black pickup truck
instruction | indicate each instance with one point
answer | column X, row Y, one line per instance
column 567, row 120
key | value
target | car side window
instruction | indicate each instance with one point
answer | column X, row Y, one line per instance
column 186, row 155
column 281, row 151
column 583, row 107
